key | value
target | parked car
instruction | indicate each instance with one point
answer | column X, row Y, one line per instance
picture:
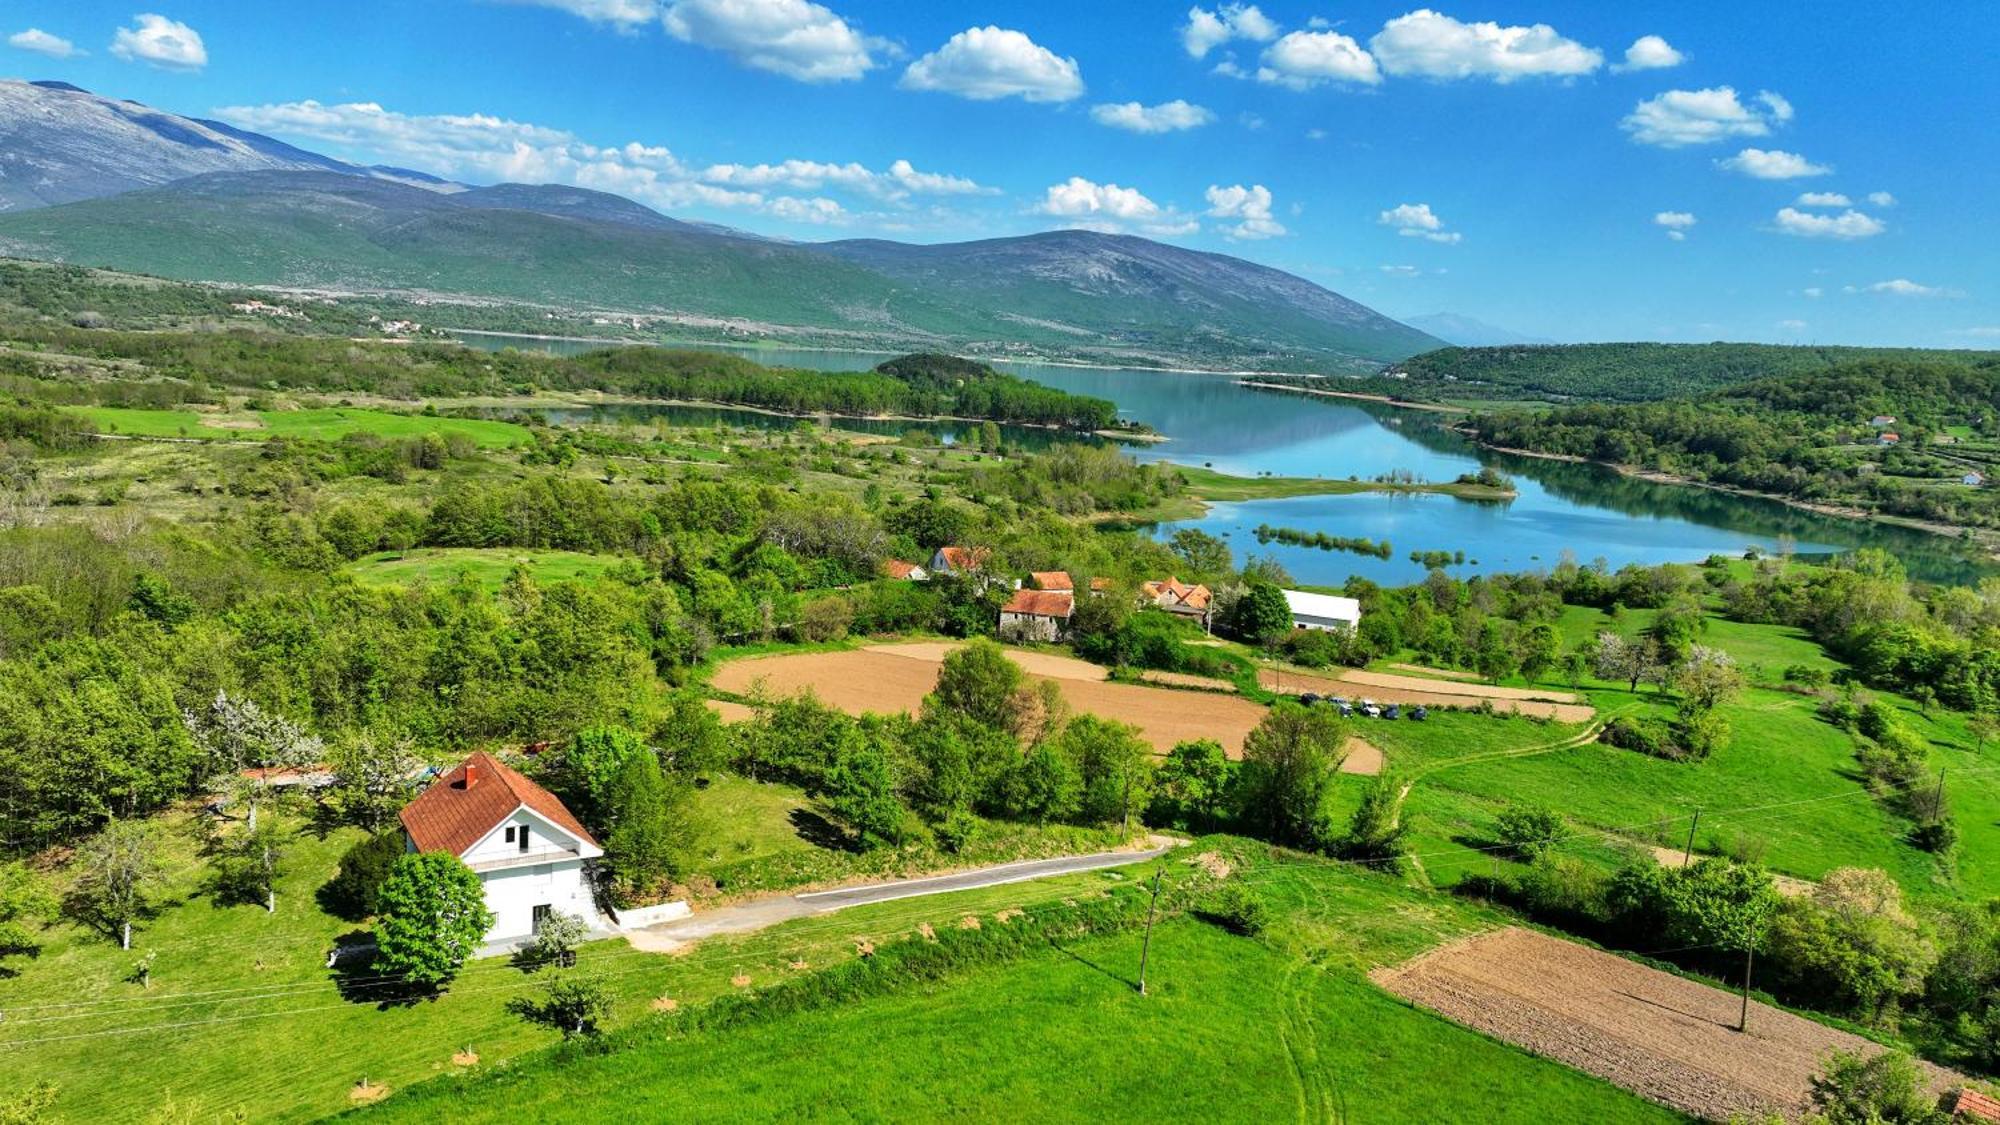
column 1418, row 713
column 1392, row 711
column 1308, row 698
column 1369, row 709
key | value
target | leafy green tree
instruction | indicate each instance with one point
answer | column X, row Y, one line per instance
column 1288, row 772
column 1707, row 678
column 1541, row 649
column 651, row 825
column 572, row 1001
column 1884, row 1088
column 1376, row 831
column 1115, row 765
column 1494, row 657
column 24, row 899
column 433, row 917
column 354, row 893
column 1191, row 788
column 558, row 937
column 1712, row 904
column 585, row 772
column 1852, row 944
column 118, row 875
column 1203, row 554
column 1530, row 830
column 861, row 787
column 1043, row 787
column 1260, row 616
column 372, row 777
column 979, row 683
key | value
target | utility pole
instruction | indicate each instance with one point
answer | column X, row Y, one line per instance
column 1152, row 908
column 1687, row 857
column 1743, row 1017
column 1937, row 799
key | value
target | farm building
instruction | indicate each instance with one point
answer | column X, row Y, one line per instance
column 1178, row 597
column 1888, row 439
column 958, row 560
column 530, row 854
column 904, row 571
column 1036, row 615
column 1882, row 421
column 1322, row 611
column 1052, row 580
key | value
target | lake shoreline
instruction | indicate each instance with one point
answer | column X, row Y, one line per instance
column 1385, row 400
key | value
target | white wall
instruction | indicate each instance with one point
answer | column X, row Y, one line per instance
column 1028, row 627
column 1303, row 621
column 544, row 839
column 513, row 893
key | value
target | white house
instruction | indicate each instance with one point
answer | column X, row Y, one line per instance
column 1322, row 611
column 528, row 851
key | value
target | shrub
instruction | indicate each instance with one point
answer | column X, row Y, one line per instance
column 354, row 892
column 1529, row 830
column 1883, row 1090
column 956, row 831
column 1564, row 890
column 1235, row 908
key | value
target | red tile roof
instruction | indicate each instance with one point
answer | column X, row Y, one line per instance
column 1051, row 580
column 1179, row 593
column 1976, row 1105
column 451, row 816
column 963, row 558
column 1098, row 585
column 897, row 568
column 1041, row 603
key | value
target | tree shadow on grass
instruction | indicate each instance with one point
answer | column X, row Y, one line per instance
column 355, row 977
column 820, row 832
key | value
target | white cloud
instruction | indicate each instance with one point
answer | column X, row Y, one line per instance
column 1697, row 117
column 625, row 14
column 1822, row 199
column 1983, row 331
column 1167, row 117
column 1881, row 199
column 159, row 41
column 1678, row 223
column 1206, row 30
column 1846, row 225
column 1433, row 45
column 1417, row 220
column 1110, row 207
column 482, row 147
column 984, row 63
column 1792, row 325
column 42, row 43
column 795, row 38
column 1305, row 59
column 1774, row 164
column 1249, row 206
column 1650, row 52
column 1401, row 271
column 1814, row 291
column 1904, row 287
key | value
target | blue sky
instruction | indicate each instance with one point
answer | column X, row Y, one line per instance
column 1685, row 171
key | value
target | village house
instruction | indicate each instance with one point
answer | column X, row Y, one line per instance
column 531, row 855
column 1055, row 581
column 904, row 571
column 1037, row 615
column 1888, row 439
column 1975, row 478
column 957, row 562
column 1322, row 611
column 1179, row 598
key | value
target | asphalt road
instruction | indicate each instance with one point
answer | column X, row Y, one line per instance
column 756, row 914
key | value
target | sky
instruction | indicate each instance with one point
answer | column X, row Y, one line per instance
column 1797, row 173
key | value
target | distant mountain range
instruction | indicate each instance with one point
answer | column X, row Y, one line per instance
column 1466, row 332
column 94, row 181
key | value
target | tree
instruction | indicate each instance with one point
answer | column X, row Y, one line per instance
column 1707, row 677
column 1375, row 832
column 1541, row 649
column 861, row 790
column 247, row 869
column 118, row 873
column 586, row 770
column 558, row 937
column 1494, row 657
column 978, row 682
column 1191, row 787
column 1043, row 787
column 1620, row 659
column 24, row 898
column 1287, row 774
column 572, row 1001
column 1883, row 1089
column 1203, row 554
column 1852, row 944
column 650, row 821
column 1530, row 830
column 355, row 890
column 243, row 743
column 1115, row 765
column 1984, row 727
column 433, row 918
column 372, row 776
column 1260, row 616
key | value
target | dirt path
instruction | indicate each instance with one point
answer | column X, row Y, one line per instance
column 1455, row 687
column 1054, row 666
column 1437, row 673
column 1787, row 885
column 1664, row 1037
column 1363, row 758
column 1434, row 693
column 871, row 680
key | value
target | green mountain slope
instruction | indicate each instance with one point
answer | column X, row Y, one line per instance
column 1071, row 294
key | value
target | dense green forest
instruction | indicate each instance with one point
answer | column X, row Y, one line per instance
column 1807, row 436
column 1628, row 372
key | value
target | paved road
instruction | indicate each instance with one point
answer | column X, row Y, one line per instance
column 759, row 913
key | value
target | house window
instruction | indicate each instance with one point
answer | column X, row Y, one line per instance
column 510, row 833
column 524, row 837
column 541, row 914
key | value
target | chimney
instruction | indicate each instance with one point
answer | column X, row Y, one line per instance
column 471, row 774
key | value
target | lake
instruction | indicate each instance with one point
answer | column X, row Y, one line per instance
column 1587, row 511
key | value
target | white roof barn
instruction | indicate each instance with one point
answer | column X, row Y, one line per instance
column 1322, row 611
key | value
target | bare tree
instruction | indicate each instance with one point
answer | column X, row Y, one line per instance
column 118, row 871
column 243, row 743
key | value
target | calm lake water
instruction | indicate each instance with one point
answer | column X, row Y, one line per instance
column 1585, row 510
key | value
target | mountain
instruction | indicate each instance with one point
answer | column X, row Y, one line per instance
column 60, row 143
column 95, row 181
column 1466, row 332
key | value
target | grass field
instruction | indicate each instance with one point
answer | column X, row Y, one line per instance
column 489, row 566
column 1233, row 1029
column 325, row 423
column 1207, row 485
